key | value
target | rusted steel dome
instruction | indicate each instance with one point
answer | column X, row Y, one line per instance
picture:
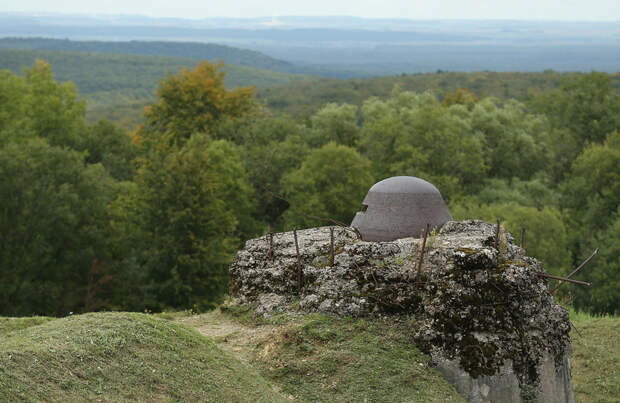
column 400, row 207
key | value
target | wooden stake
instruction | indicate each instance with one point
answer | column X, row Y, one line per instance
column 562, row 279
column 270, row 251
column 417, row 279
column 497, row 236
column 331, row 246
column 300, row 274
column 576, row 270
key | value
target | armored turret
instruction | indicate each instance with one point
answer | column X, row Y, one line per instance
column 400, row 207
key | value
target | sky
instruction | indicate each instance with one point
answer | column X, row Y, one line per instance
column 575, row 10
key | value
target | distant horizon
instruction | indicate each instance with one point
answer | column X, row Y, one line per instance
column 269, row 17
column 414, row 10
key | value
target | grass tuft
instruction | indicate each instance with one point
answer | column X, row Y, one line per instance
column 8, row 325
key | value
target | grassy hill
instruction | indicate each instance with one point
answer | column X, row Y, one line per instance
column 121, row 357
column 228, row 355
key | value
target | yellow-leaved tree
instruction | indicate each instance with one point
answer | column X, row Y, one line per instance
column 193, row 101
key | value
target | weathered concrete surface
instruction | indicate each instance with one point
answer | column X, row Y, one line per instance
column 480, row 311
column 554, row 386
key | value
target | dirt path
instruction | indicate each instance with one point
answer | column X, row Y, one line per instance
column 230, row 335
column 237, row 339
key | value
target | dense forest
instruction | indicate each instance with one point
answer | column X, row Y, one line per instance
column 188, row 50
column 117, row 86
column 94, row 217
column 303, row 98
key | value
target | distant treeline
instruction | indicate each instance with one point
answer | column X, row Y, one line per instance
column 119, row 86
column 172, row 49
column 188, row 50
column 395, row 58
column 111, row 82
column 305, row 98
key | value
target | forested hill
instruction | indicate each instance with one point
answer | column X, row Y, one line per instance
column 108, row 80
column 191, row 50
column 305, row 98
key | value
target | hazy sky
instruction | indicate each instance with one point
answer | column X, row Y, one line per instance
column 413, row 9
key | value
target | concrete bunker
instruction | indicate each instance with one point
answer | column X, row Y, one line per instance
column 400, row 207
column 482, row 313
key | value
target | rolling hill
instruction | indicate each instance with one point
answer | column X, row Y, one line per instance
column 112, row 82
column 189, row 50
column 120, row 357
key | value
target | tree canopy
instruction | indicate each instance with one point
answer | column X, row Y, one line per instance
column 329, row 185
column 52, row 227
column 193, row 102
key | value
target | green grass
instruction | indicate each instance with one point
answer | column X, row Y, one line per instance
column 8, row 325
column 353, row 360
column 596, row 358
column 324, row 358
column 120, row 357
column 229, row 355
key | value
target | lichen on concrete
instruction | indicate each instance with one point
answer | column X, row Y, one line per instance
column 481, row 312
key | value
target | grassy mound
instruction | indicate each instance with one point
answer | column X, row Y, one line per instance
column 119, row 356
column 325, row 358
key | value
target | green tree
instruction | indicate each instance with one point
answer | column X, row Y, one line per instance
column 112, row 147
column 382, row 133
column 591, row 197
column 582, row 111
column 412, row 134
column 331, row 183
column 515, row 141
column 337, row 123
column 587, row 105
column 603, row 297
column 53, row 217
column 592, row 190
column 191, row 205
column 460, row 96
column 12, row 107
column 36, row 105
column 272, row 146
column 537, row 192
column 192, row 197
